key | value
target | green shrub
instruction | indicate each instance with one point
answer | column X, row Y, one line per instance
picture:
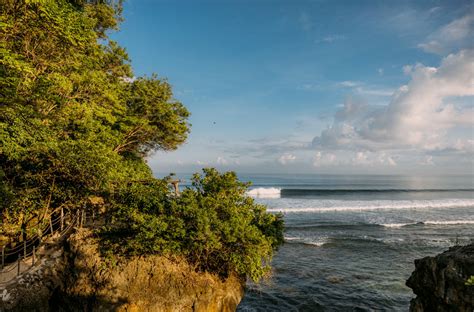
column 470, row 281
column 213, row 224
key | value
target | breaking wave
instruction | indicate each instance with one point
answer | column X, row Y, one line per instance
column 362, row 205
column 448, row 222
column 265, row 192
column 275, row 192
column 306, row 240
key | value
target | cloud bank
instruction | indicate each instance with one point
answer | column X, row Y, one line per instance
column 451, row 37
column 424, row 114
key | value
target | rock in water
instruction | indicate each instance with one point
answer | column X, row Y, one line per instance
column 440, row 282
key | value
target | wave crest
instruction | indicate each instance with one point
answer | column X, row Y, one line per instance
column 306, row 240
column 265, row 192
column 363, row 205
column 444, row 222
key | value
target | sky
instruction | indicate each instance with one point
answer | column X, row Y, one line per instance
column 321, row 86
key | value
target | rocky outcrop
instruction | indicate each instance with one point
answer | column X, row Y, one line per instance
column 440, row 282
column 31, row 290
column 79, row 278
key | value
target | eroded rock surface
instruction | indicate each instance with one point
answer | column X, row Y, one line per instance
column 78, row 278
column 439, row 282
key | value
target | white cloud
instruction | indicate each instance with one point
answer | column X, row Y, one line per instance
column 434, row 10
column 324, row 159
column 222, row 161
column 366, row 158
column 427, row 161
column 455, row 35
column 407, row 69
column 384, row 159
column 420, row 115
column 350, row 109
column 286, row 158
column 363, row 89
column 331, row 38
column 373, row 91
column 310, row 87
column 391, row 162
column 349, row 83
column 360, row 158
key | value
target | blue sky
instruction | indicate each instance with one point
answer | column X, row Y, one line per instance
column 312, row 86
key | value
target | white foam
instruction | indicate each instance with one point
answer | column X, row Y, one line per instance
column 265, row 192
column 396, row 225
column 306, row 241
column 451, row 222
column 363, row 205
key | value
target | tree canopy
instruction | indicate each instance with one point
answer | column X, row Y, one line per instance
column 213, row 224
column 73, row 118
column 76, row 123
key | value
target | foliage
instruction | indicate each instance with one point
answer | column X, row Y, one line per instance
column 213, row 224
column 74, row 121
column 470, row 281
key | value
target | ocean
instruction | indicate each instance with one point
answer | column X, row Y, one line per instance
column 351, row 241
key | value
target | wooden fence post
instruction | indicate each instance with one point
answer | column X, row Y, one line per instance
column 18, row 266
column 34, row 254
column 62, row 219
column 24, row 248
column 3, row 257
column 51, row 225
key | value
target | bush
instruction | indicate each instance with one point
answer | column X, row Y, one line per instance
column 470, row 281
column 213, row 224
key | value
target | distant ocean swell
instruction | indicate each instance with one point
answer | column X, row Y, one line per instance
column 451, row 222
column 362, row 205
column 350, row 226
column 275, row 192
column 350, row 241
column 325, row 240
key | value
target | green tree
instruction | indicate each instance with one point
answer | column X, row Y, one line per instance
column 73, row 119
column 75, row 123
column 213, row 224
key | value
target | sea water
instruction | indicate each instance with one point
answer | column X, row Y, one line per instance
column 351, row 241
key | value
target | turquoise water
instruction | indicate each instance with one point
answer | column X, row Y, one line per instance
column 350, row 241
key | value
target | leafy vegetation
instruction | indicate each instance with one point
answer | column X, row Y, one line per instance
column 213, row 224
column 470, row 281
column 75, row 123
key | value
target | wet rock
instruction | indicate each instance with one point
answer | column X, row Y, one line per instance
column 440, row 282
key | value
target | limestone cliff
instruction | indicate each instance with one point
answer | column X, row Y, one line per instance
column 79, row 279
column 439, row 282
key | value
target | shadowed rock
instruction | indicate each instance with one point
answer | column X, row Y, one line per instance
column 440, row 282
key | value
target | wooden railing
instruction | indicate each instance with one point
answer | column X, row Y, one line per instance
column 24, row 255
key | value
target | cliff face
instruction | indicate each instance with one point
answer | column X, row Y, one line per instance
column 439, row 282
column 80, row 280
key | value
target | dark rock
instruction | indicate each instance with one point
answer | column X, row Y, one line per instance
column 439, row 282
